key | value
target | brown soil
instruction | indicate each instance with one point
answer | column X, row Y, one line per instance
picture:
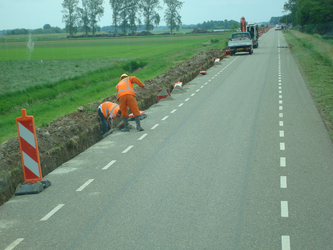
column 68, row 136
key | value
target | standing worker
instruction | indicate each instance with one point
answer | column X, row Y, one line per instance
column 126, row 98
column 106, row 112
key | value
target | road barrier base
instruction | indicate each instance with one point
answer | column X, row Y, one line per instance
column 32, row 188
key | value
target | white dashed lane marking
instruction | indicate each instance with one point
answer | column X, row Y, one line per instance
column 155, row 126
column 283, row 181
column 283, row 162
column 84, row 185
column 284, row 209
column 14, row 244
column 282, row 146
column 285, row 242
column 166, row 117
column 281, row 133
column 129, row 148
column 109, row 165
column 143, row 136
column 56, row 209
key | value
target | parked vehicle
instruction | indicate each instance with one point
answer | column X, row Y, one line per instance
column 240, row 42
column 253, row 29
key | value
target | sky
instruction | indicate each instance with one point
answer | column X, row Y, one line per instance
column 34, row 14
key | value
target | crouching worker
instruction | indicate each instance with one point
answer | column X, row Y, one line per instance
column 126, row 98
column 108, row 111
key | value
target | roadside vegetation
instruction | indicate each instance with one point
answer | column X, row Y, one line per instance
column 63, row 74
column 314, row 56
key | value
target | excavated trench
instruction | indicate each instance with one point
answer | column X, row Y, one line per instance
column 68, row 136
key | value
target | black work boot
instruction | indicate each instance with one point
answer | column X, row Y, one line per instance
column 126, row 128
column 138, row 126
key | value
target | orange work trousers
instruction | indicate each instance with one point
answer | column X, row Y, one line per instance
column 128, row 101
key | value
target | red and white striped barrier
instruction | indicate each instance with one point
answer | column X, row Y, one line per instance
column 163, row 93
column 29, row 148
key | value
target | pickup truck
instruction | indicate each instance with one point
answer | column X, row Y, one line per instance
column 240, row 42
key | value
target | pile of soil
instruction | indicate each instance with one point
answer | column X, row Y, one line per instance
column 68, row 136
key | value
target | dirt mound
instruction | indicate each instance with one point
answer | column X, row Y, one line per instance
column 70, row 135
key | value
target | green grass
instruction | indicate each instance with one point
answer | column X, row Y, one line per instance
column 56, row 86
column 315, row 59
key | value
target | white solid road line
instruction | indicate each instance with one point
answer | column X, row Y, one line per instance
column 109, row 165
column 84, row 185
column 14, row 244
column 128, row 148
column 46, row 217
column 284, row 209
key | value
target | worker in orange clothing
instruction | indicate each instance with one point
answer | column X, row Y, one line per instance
column 108, row 111
column 126, row 98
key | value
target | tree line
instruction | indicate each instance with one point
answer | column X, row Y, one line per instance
column 127, row 15
column 209, row 25
column 313, row 16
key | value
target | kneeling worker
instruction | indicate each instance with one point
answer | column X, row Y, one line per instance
column 126, row 98
column 106, row 112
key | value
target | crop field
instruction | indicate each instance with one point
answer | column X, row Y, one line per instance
column 51, row 76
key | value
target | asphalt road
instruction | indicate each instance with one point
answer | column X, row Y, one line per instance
column 240, row 160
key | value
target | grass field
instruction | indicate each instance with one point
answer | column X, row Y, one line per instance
column 63, row 74
column 315, row 59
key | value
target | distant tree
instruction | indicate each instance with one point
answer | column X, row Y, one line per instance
column 47, row 27
column 128, row 15
column 133, row 17
column 84, row 17
column 116, row 8
column 226, row 24
column 234, row 26
column 150, row 15
column 70, row 16
column 275, row 20
column 95, row 12
column 290, row 8
column 172, row 16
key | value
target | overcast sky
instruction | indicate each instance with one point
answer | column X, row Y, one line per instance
column 33, row 14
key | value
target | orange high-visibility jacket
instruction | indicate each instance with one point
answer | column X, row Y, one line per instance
column 109, row 109
column 125, row 86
